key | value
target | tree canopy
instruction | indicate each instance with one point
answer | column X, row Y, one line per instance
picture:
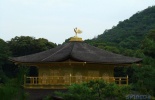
column 25, row 45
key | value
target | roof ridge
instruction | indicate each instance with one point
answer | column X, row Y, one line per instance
column 72, row 49
column 54, row 53
column 71, row 56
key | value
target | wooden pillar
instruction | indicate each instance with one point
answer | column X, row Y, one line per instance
column 127, row 79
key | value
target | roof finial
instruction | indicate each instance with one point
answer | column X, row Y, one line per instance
column 77, row 31
column 76, row 38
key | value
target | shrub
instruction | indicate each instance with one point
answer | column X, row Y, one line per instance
column 95, row 90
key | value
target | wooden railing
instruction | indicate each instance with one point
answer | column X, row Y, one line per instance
column 63, row 80
column 121, row 80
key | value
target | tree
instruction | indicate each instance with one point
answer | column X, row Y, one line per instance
column 148, row 44
column 151, row 34
column 95, row 90
column 4, row 54
column 25, row 45
column 143, row 79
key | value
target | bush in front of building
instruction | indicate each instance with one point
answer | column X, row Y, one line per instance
column 95, row 90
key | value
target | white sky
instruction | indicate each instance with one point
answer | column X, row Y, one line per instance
column 55, row 19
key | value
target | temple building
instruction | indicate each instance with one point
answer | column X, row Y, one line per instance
column 73, row 62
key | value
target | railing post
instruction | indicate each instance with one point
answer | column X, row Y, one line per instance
column 33, row 80
column 127, row 79
column 24, row 80
column 36, row 80
column 70, row 78
column 113, row 79
column 119, row 81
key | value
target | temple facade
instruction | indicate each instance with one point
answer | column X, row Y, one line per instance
column 73, row 62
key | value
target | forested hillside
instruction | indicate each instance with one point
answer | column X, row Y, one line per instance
column 130, row 32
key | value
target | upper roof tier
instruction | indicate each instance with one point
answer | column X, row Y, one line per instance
column 77, row 51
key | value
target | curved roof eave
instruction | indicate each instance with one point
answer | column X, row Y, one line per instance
column 78, row 51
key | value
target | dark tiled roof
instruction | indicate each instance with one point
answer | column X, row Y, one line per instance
column 78, row 51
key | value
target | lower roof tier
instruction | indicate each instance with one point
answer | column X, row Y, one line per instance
column 77, row 51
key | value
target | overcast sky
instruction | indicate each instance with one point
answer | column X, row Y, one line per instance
column 56, row 19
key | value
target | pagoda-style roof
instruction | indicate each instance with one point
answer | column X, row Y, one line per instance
column 76, row 51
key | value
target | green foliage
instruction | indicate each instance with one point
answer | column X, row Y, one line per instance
column 129, row 33
column 4, row 54
column 7, row 92
column 25, row 45
column 78, row 92
column 143, row 79
column 151, row 34
column 4, row 50
column 148, row 44
column 11, row 90
column 23, row 70
column 95, row 90
column 112, row 49
column 48, row 98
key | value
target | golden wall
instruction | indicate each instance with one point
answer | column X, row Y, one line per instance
column 78, row 72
